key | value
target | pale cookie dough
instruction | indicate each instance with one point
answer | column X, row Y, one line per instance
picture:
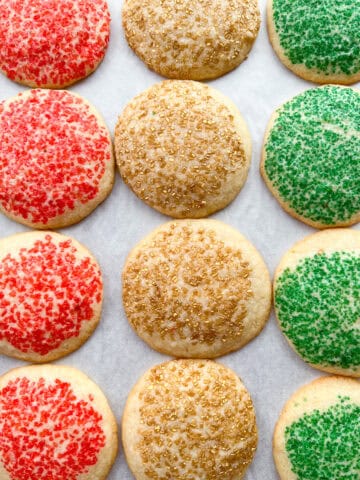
column 319, row 40
column 55, row 423
column 317, row 300
column 56, row 160
column 189, row 419
column 51, row 294
column 196, row 288
column 194, row 40
column 317, row 436
column 52, row 44
column 311, row 160
column 183, row 148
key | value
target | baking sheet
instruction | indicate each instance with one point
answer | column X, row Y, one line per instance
column 114, row 357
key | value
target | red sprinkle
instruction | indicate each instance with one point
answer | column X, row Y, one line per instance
column 46, row 433
column 53, row 154
column 46, row 293
column 52, row 42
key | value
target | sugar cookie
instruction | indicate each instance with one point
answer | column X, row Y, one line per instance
column 317, row 300
column 189, row 419
column 196, row 288
column 183, row 148
column 194, row 40
column 52, row 44
column 318, row 432
column 318, row 40
column 56, row 162
column 311, row 156
column 50, row 295
column 54, row 423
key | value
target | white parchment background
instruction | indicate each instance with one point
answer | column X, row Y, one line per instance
column 114, row 357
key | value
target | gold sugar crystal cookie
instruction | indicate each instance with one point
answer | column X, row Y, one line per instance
column 196, row 288
column 183, row 148
column 193, row 40
column 190, row 419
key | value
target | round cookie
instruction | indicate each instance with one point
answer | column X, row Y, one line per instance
column 52, row 44
column 50, row 295
column 317, row 300
column 54, row 423
column 318, row 432
column 189, row 419
column 196, row 288
column 56, row 161
column 191, row 40
column 318, row 40
column 311, row 160
column 183, row 148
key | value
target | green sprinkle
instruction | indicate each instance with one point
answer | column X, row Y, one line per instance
column 326, row 445
column 323, row 35
column 313, row 154
column 318, row 307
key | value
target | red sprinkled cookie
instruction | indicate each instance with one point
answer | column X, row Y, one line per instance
column 56, row 161
column 52, row 43
column 50, row 295
column 55, row 424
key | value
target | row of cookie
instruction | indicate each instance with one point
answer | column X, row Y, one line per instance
column 183, row 419
column 54, row 45
column 202, row 40
column 183, row 148
column 191, row 288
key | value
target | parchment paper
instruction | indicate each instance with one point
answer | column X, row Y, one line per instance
column 114, row 357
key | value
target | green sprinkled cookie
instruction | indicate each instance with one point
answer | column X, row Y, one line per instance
column 311, row 156
column 317, row 436
column 317, row 300
column 318, row 40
